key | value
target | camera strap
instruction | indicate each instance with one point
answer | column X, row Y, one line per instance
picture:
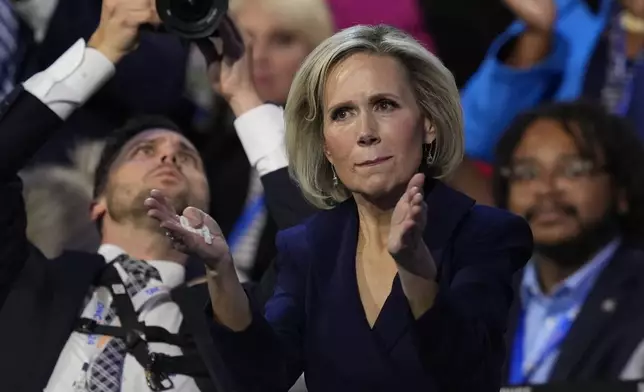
column 136, row 336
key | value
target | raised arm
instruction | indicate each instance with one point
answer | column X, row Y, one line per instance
column 260, row 128
column 266, row 353
column 33, row 112
column 262, row 351
column 522, row 68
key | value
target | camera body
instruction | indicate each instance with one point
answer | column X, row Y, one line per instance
column 200, row 20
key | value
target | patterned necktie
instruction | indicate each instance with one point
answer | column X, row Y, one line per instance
column 105, row 373
column 9, row 30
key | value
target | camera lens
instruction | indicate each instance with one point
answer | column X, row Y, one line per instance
column 191, row 19
column 190, row 10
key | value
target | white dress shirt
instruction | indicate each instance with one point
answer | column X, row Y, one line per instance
column 81, row 349
column 71, row 80
column 634, row 369
column 261, row 132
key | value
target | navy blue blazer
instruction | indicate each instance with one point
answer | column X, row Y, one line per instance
column 315, row 321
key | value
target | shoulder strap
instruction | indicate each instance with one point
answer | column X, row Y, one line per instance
column 136, row 336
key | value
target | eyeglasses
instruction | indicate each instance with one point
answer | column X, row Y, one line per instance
column 568, row 169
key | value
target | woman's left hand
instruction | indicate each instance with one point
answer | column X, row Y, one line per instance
column 189, row 237
column 406, row 244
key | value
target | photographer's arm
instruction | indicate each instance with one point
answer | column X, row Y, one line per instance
column 261, row 130
column 34, row 111
column 29, row 116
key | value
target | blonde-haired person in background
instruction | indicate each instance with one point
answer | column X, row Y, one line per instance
column 238, row 152
column 57, row 199
column 403, row 283
column 281, row 33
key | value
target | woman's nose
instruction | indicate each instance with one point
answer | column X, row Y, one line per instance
column 368, row 139
column 369, row 132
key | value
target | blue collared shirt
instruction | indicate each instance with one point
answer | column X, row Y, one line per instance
column 544, row 312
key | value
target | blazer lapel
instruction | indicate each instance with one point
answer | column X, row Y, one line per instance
column 612, row 286
column 514, row 314
column 446, row 209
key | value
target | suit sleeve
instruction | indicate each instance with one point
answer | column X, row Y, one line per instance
column 497, row 93
column 267, row 356
column 24, row 119
column 261, row 132
column 461, row 337
column 284, row 199
column 28, row 117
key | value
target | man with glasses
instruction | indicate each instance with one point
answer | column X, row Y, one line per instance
column 576, row 174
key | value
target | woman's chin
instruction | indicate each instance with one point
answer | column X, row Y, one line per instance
column 381, row 192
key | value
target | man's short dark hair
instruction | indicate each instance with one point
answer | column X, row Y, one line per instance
column 591, row 127
column 119, row 138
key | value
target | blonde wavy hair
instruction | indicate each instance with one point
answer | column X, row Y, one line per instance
column 310, row 18
column 433, row 86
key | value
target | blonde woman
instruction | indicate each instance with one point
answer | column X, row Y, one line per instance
column 402, row 284
column 282, row 33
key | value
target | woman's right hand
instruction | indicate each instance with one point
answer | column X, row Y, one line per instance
column 213, row 251
column 233, row 80
column 539, row 15
column 118, row 30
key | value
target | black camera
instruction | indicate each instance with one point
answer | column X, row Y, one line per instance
column 200, row 20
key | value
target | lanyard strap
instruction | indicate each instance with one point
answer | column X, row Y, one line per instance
column 520, row 372
column 244, row 222
column 617, row 93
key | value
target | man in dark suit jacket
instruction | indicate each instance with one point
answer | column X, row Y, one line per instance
column 574, row 172
column 41, row 300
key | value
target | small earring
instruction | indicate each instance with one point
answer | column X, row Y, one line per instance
column 430, row 156
column 335, row 177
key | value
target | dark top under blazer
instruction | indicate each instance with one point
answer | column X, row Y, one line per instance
column 315, row 321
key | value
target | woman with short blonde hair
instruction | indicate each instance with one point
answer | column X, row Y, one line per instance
column 402, row 284
column 434, row 88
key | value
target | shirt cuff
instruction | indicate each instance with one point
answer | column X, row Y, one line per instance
column 71, row 80
column 261, row 132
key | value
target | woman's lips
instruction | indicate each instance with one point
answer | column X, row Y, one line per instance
column 373, row 162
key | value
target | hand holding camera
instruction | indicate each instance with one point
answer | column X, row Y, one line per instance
column 118, row 29
column 233, row 80
column 196, row 20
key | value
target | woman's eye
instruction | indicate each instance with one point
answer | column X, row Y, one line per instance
column 340, row 114
column 284, row 38
column 385, row 105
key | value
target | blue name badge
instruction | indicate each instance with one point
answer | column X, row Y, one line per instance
column 152, row 292
column 99, row 313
